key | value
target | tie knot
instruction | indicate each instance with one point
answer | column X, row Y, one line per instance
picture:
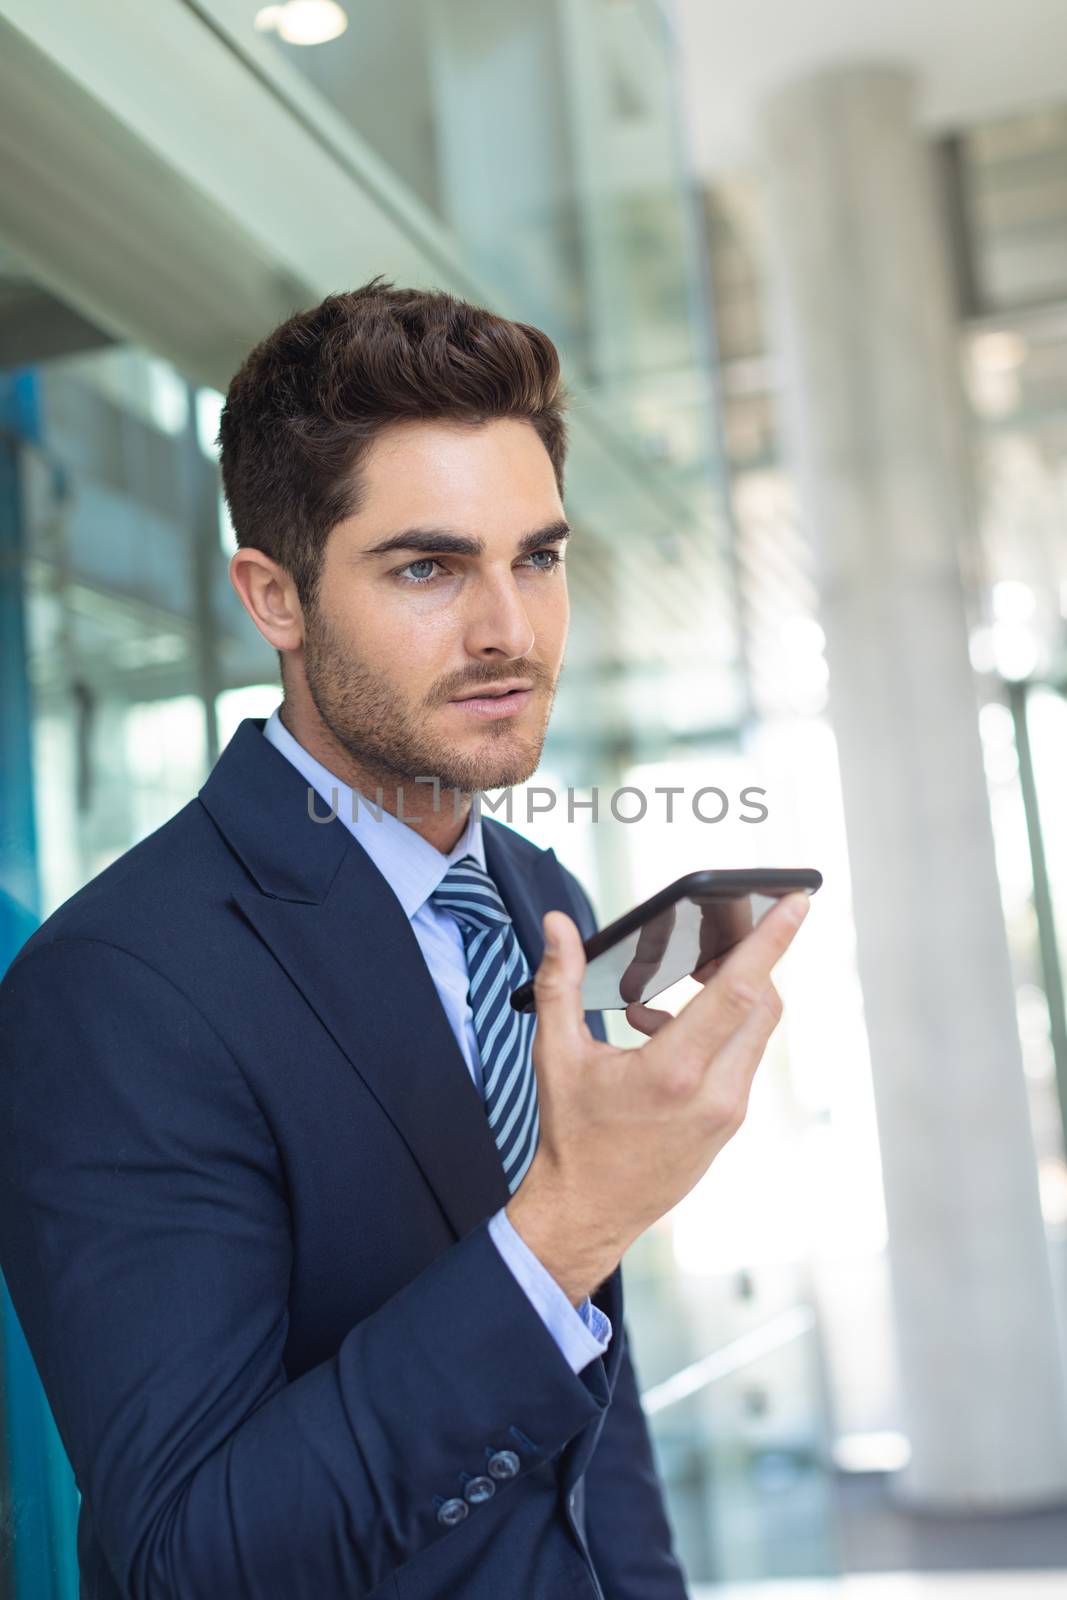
column 469, row 893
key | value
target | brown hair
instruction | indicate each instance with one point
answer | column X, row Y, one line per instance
column 308, row 401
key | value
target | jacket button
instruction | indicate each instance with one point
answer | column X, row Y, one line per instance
column 479, row 1489
column 503, row 1464
column 452, row 1511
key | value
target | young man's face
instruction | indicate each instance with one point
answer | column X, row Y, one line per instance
column 473, row 595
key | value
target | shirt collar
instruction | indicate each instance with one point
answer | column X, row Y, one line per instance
column 411, row 866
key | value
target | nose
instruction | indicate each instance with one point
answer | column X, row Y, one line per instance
column 498, row 624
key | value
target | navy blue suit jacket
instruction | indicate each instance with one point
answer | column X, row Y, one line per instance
column 245, row 1181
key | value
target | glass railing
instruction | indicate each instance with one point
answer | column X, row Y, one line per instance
column 742, row 1444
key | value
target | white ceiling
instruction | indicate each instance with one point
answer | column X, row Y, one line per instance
column 975, row 59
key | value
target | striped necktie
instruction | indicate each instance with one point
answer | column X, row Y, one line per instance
column 496, row 966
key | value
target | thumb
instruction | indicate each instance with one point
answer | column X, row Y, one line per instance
column 558, row 981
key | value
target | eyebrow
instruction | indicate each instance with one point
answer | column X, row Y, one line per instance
column 442, row 542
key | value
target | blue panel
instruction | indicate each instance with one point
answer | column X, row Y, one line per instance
column 44, row 1498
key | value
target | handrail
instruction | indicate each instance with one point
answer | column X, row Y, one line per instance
column 740, row 1352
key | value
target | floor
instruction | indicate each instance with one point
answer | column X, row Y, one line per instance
column 876, row 1535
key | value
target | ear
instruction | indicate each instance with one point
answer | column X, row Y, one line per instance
column 269, row 595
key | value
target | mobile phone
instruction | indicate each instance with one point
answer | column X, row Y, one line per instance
column 670, row 936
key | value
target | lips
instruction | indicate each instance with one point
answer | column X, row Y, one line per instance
column 494, row 704
column 495, row 692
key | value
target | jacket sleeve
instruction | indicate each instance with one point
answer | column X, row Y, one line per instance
column 145, row 1238
column 626, row 1524
column 582, row 1332
column 627, row 1529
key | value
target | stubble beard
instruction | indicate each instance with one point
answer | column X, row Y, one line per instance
column 386, row 740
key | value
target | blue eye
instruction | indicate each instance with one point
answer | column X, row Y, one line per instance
column 426, row 561
column 555, row 560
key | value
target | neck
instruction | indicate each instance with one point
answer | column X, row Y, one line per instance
column 437, row 814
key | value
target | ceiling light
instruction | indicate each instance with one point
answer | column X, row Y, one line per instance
column 303, row 21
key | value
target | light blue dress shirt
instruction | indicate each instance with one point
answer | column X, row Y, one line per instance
column 414, row 868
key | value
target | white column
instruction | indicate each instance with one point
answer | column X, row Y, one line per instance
column 876, row 437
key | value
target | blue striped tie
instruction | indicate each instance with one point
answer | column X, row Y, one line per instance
column 496, row 966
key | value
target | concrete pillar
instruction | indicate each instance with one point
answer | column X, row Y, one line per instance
column 875, row 430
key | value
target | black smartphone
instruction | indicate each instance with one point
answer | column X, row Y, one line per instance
column 692, row 921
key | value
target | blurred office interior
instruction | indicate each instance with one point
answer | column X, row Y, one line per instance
column 807, row 269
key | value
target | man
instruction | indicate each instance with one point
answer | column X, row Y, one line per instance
column 314, row 1239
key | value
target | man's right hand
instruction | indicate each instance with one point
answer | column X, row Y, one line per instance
column 627, row 1133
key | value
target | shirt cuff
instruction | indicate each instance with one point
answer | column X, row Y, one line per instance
column 581, row 1332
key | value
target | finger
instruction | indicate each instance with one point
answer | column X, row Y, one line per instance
column 736, row 1062
column 722, row 1005
column 646, row 1019
column 557, row 984
column 652, row 942
column 722, row 924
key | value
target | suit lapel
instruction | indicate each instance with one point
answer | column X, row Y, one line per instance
column 333, row 923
